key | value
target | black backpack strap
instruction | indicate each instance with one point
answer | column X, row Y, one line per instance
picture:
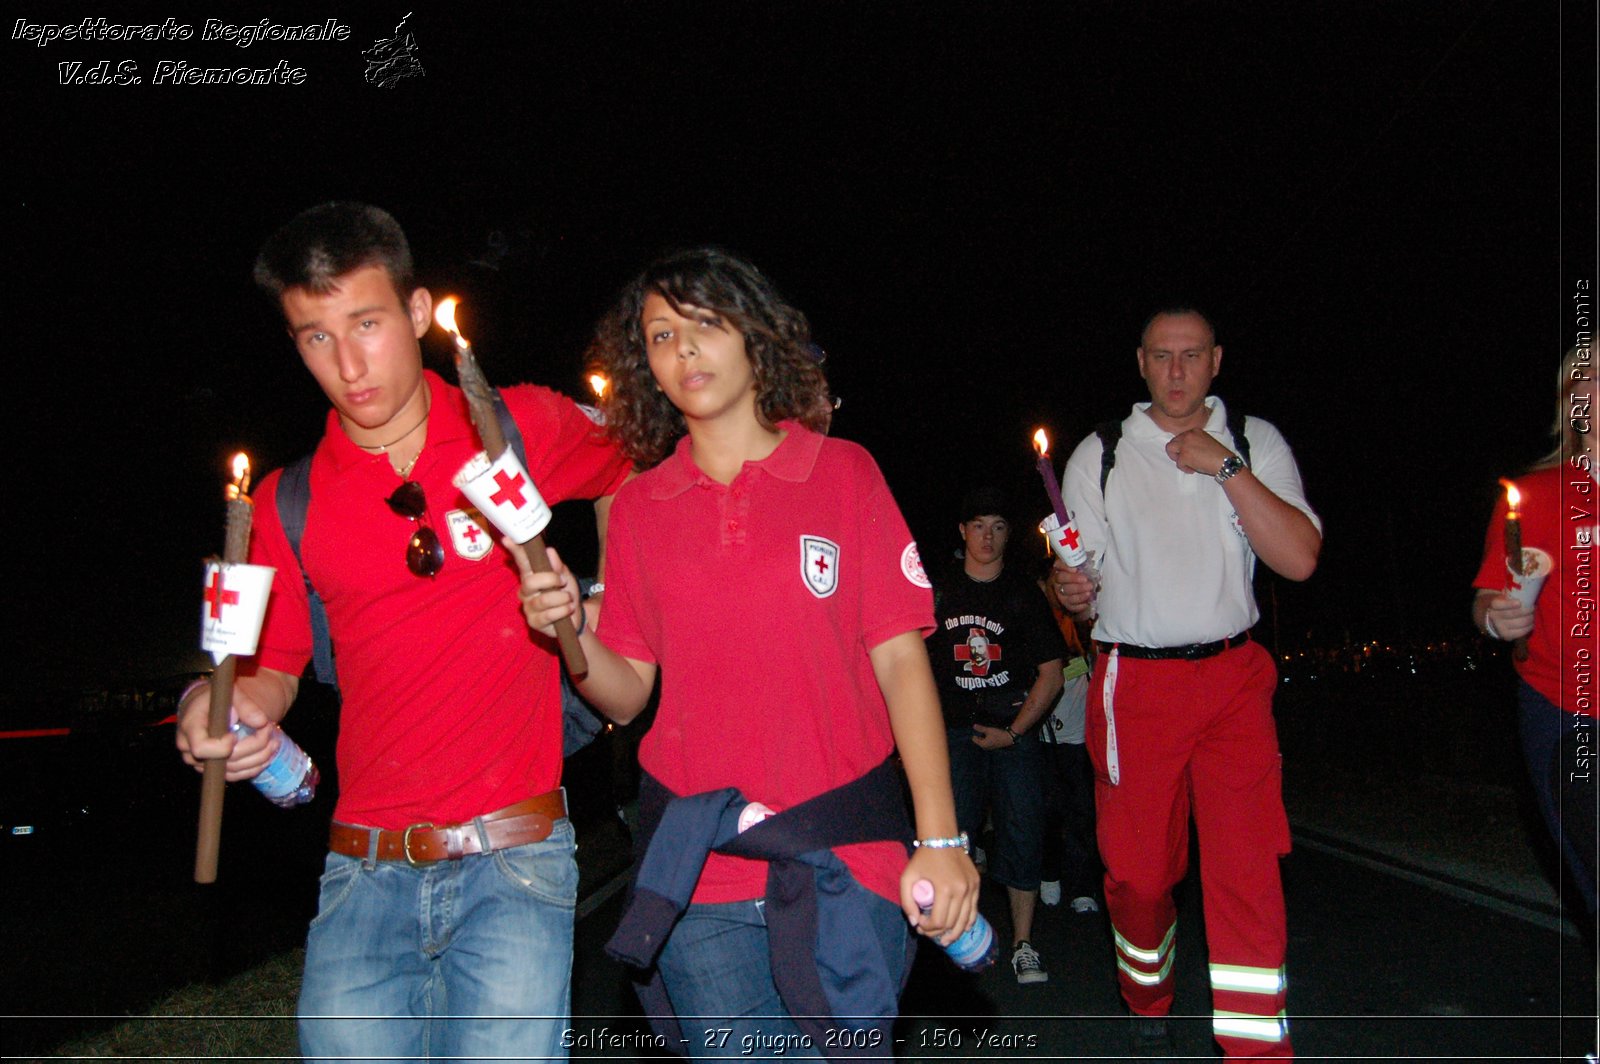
column 1109, row 432
column 1241, row 442
column 294, row 500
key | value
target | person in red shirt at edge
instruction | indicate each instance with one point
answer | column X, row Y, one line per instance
column 447, row 900
column 766, row 572
column 1555, row 695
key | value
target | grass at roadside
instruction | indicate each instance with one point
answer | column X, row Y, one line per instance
column 249, row 1017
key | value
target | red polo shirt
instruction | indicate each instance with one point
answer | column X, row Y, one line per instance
column 759, row 600
column 1558, row 516
column 451, row 706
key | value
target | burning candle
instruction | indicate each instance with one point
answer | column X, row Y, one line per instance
column 1047, row 470
column 1058, row 528
column 1513, row 530
column 1514, row 559
column 598, row 384
column 236, row 543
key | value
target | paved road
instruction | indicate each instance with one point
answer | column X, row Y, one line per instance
column 1386, row 961
column 1382, row 966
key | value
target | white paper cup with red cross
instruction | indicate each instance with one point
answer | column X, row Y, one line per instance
column 504, row 493
column 1065, row 541
column 233, row 607
column 1536, row 565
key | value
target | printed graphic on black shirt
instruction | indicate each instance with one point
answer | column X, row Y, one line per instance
column 980, row 653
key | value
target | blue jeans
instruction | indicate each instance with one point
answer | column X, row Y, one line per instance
column 718, row 973
column 1012, row 777
column 1551, row 740
column 463, row 959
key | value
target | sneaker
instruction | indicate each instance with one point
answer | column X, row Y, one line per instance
column 1050, row 892
column 1025, row 962
column 1085, row 904
column 1151, row 1037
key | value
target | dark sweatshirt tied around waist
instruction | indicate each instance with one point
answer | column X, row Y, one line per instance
column 825, row 954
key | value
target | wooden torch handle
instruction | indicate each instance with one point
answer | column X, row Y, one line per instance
column 208, row 840
column 566, row 632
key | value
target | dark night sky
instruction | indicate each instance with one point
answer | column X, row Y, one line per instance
column 1387, row 206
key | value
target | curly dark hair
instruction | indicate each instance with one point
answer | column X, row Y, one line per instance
column 789, row 380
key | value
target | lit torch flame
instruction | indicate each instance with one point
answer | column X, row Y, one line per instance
column 599, row 384
column 1041, row 442
column 1513, row 498
column 241, row 477
column 445, row 315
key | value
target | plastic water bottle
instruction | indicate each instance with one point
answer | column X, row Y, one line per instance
column 976, row 949
column 290, row 778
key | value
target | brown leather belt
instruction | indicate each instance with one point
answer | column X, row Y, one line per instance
column 515, row 825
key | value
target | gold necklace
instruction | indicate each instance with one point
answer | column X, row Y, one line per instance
column 383, row 448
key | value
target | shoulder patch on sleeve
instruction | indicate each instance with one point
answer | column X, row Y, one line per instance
column 911, row 566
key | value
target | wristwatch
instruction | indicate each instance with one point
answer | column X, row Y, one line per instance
column 1232, row 466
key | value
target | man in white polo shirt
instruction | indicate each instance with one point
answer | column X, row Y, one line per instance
column 1177, row 509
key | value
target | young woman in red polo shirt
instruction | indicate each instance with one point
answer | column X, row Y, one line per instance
column 766, row 572
column 1557, row 718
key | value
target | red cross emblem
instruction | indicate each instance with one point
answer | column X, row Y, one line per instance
column 510, row 492
column 471, row 538
column 1069, row 537
column 819, row 565
column 978, row 652
column 217, row 596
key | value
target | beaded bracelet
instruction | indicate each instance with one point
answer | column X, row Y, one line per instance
column 960, row 840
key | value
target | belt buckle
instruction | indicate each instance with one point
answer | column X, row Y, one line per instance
column 405, row 843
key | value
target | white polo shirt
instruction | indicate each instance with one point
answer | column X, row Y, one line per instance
column 1175, row 565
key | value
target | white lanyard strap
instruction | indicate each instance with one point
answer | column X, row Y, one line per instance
column 1107, row 689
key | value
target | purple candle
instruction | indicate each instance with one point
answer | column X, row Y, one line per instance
column 1047, row 470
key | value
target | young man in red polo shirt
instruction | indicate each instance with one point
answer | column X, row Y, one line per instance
column 449, row 890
